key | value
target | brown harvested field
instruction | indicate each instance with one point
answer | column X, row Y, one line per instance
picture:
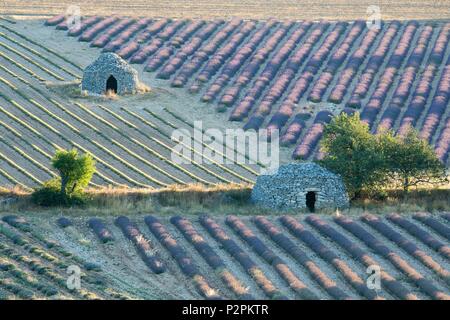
column 263, row 9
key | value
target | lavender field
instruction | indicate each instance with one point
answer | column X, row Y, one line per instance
column 293, row 76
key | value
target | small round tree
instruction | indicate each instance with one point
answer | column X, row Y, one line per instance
column 411, row 160
column 370, row 162
column 351, row 151
column 75, row 173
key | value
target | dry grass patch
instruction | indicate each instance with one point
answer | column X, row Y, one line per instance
column 72, row 90
column 221, row 199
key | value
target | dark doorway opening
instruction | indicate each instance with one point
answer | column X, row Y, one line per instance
column 311, row 200
column 111, row 84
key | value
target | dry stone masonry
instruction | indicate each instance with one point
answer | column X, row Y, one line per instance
column 110, row 72
column 304, row 185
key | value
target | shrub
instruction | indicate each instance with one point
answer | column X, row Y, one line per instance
column 410, row 160
column 75, row 173
column 350, row 150
column 49, row 195
column 64, row 222
column 369, row 162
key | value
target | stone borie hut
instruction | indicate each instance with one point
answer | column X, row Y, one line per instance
column 110, row 72
column 300, row 186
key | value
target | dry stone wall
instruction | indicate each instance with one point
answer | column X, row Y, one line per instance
column 287, row 188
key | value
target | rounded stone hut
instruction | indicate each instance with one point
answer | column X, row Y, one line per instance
column 304, row 185
column 110, row 72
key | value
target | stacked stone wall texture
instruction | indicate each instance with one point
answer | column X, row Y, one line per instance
column 110, row 64
column 287, row 188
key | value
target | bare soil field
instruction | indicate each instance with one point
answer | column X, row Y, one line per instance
column 254, row 9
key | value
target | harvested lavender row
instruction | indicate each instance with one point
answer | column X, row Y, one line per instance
column 312, row 137
column 446, row 216
column 262, row 55
column 17, row 222
column 108, row 35
column 185, row 262
column 425, row 284
column 406, row 245
column 394, row 286
column 157, row 42
column 90, row 33
column 63, row 222
column 299, row 231
column 267, row 254
column 353, row 64
column 99, row 228
column 243, row 258
column 434, row 224
column 421, row 234
column 204, row 52
column 128, row 33
column 211, row 257
column 129, row 49
column 236, row 61
column 166, row 52
column 187, row 50
column 141, row 243
column 76, row 30
column 301, row 257
column 336, row 60
column 274, row 67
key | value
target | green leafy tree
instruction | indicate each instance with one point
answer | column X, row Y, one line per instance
column 352, row 151
column 368, row 163
column 411, row 161
column 75, row 171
